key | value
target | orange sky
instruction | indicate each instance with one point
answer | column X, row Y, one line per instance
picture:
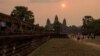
column 73, row 11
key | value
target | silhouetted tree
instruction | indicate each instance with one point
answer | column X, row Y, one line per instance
column 86, row 21
column 22, row 13
column 94, row 27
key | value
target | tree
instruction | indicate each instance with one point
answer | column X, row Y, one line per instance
column 94, row 27
column 22, row 13
column 86, row 21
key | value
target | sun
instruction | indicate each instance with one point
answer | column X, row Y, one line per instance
column 63, row 5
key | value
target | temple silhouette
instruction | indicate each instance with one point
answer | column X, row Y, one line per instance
column 56, row 27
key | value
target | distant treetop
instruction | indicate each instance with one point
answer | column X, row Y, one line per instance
column 22, row 13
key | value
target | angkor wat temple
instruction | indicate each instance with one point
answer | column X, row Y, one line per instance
column 57, row 27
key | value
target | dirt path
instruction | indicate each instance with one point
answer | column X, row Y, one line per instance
column 65, row 47
column 94, row 45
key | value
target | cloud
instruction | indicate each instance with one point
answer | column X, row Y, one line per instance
column 45, row 0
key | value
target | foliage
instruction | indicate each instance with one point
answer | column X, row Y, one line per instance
column 94, row 27
column 22, row 13
column 86, row 29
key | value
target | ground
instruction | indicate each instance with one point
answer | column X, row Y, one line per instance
column 68, row 47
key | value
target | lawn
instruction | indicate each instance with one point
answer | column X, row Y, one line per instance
column 65, row 47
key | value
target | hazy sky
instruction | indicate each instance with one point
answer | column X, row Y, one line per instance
column 72, row 10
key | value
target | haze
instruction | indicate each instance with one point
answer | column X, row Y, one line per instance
column 73, row 10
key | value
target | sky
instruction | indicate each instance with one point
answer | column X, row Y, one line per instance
column 72, row 10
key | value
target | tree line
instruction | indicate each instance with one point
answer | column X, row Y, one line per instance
column 91, row 25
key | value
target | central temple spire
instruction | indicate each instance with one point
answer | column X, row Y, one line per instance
column 48, row 22
column 56, row 19
column 64, row 22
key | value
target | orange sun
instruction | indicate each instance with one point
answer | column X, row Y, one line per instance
column 63, row 5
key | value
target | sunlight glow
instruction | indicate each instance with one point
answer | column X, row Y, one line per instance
column 63, row 5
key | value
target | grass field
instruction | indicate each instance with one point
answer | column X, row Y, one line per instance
column 66, row 47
